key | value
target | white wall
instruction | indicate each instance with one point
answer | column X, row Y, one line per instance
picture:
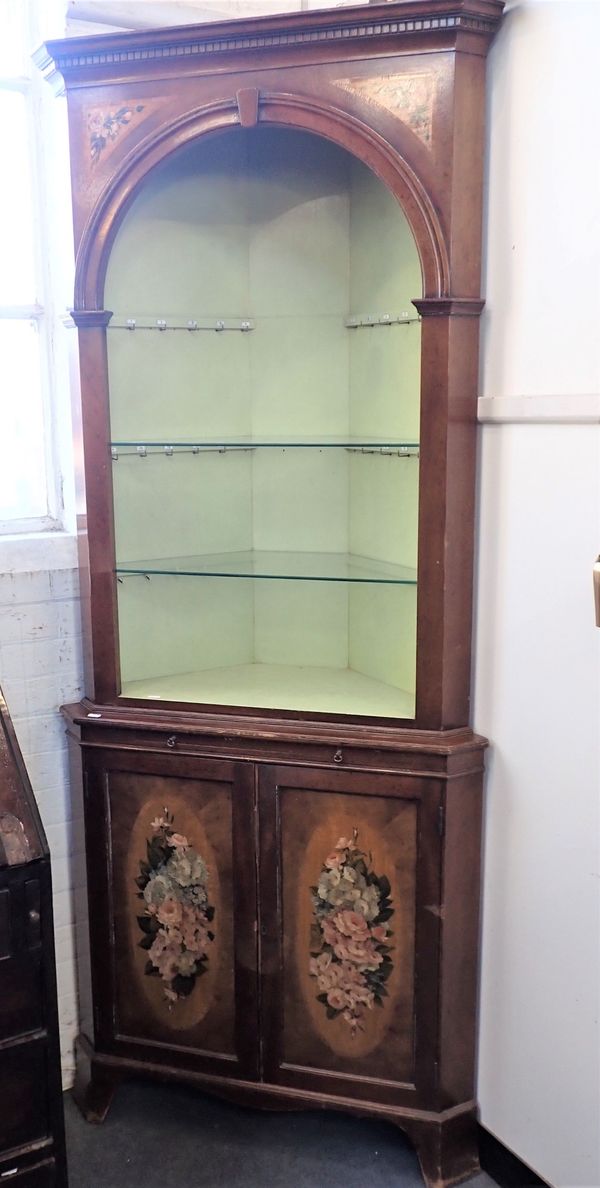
column 537, row 686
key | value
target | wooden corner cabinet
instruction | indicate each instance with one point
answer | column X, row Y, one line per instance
column 278, row 228
column 32, row 1138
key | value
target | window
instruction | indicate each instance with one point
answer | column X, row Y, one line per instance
column 29, row 483
column 36, row 468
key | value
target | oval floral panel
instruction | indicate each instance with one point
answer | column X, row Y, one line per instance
column 351, row 955
column 176, row 917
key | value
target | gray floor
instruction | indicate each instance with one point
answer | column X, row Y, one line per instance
column 169, row 1137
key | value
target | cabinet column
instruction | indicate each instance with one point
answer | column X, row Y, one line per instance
column 95, row 520
column 449, row 361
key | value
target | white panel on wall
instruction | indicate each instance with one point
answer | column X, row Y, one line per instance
column 542, row 234
column 537, row 696
column 537, row 686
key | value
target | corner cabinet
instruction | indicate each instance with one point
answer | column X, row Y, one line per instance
column 278, row 228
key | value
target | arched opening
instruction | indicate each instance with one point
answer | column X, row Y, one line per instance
column 266, row 437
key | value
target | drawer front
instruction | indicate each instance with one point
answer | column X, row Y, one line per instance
column 336, row 752
column 23, row 1077
column 21, row 989
column 20, row 955
column 21, row 996
column 40, row 1175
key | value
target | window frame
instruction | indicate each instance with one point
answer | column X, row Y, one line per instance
column 43, row 312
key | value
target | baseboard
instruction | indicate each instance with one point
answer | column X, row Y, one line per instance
column 503, row 1166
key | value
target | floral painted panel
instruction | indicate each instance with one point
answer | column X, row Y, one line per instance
column 410, row 97
column 199, row 812
column 350, row 951
column 104, row 126
column 348, row 883
column 173, row 884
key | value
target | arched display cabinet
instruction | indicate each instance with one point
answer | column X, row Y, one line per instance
column 278, row 226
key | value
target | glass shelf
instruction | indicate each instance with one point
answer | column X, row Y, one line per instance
column 303, row 567
column 216, row 325
column 393, row 443
column 244, row 324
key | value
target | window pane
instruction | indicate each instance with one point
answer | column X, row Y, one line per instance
column 12, row 48
column 17, row 280
column 23, row 469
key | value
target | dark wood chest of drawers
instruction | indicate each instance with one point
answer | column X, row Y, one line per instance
column 32, row 1145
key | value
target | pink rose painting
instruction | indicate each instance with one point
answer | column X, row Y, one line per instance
column 350, row 951
column 177, row 915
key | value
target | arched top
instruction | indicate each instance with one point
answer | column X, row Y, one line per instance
column 297, row 112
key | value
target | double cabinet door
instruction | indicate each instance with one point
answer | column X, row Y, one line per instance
column 265, row 923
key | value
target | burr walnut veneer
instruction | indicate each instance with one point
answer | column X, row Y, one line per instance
column 278, row 229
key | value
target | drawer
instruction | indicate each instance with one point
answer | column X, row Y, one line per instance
column 21, row 995
column 38, row 1175
column 23, row 1076
column 337, row 754
column 21, row 988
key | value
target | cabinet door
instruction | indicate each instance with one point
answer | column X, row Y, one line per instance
column 171, row 886
column 347, row 952
column 21, row 986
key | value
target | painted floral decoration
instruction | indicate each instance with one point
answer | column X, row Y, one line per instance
column 350, row 950
column 104, row 127
column 173, row 885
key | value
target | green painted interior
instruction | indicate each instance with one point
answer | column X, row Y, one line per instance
column 290, row 231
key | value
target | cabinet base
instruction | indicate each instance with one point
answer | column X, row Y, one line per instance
column 445, row 1143
column 96, row 1082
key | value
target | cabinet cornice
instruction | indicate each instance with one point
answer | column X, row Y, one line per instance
column 413, row 20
